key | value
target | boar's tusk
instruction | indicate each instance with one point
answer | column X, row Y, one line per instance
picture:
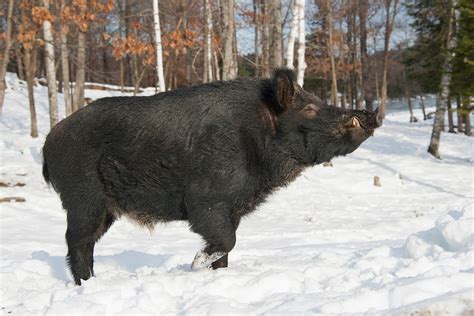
column 355, row 122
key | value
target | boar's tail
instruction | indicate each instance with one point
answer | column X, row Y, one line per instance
column 46, row 177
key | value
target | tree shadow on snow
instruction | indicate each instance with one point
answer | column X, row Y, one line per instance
column 410, row 179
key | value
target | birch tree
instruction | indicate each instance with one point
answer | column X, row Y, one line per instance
column 50, row 68
column 159, row 51
column 300, row 4
column 442, row 95
column 208, row 75
column 331, row 55
column 290, row 49
column 6, row 53
column 229, row 65
column 276, row 48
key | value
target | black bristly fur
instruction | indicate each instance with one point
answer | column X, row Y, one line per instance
column 207, row 154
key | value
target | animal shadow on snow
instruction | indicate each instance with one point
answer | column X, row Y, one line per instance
column 128, row 260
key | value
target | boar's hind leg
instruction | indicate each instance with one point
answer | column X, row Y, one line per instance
column 84, row 227
column 219, row 233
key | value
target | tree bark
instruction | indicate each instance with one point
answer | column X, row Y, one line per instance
column 19, row 61
column 459, row 114
column 80, row 71
column 256, row 21
column 30, row 64
column 208, row 75
column 229, row 66
column 389, row 19
column 159, row 49
column 367, row 94
column 450, row 116
column 410, row 107
column 422, row 101
column 217, row 69
column 301, row 42
column 6, row 54
column 50, row 69
column 442, row 95
column 343, row 95
column 65, row 64
column 265, row 71
column 290, row 50
column 331, row 55
column 352, row 55
column 276, row 35
column 466, row 117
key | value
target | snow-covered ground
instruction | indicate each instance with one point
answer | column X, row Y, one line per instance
column 331, row 242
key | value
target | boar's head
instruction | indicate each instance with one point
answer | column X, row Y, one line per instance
column 315, row 132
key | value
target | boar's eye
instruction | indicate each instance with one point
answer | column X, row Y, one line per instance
column 355, row 122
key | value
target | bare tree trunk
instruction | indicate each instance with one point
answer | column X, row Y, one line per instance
column 264, row 61
column 350, row 94
column 389, row 19
column 367, row 94
column 466, row 117
column 50, row 69
column 410, row 107
column 235, row 67
column 6, row 54
column 375, row 71
column 422, row 102
column 30, row 66
column 80, row 72
column 229, row 69
column 217, row 70
column 301, row 42
column 276, row 35
column 208, row 75
column 450, row 116
column 467, row 121
column 65, row 64
column 331, row 56
column 159, row 49
column 352, row 52
column 121, row 27
column 343, row 95
column 459, row 114
column 438, row 124
column 290, row 50
column 187, row 55
column 19, row 61
column 256, row 21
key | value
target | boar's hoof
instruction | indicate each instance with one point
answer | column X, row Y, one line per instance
column 221, row 263
column 203, row 260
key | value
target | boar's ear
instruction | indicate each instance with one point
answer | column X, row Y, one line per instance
column 284, row 89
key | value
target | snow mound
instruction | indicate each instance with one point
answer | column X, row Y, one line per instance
column 452, row 232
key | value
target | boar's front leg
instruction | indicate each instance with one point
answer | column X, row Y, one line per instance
column 215, row 226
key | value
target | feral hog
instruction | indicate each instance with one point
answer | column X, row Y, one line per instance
column 208, row 154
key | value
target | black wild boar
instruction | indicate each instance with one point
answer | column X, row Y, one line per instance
column 207, row 154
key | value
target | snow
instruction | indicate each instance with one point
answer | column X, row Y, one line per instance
column 331, row 242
